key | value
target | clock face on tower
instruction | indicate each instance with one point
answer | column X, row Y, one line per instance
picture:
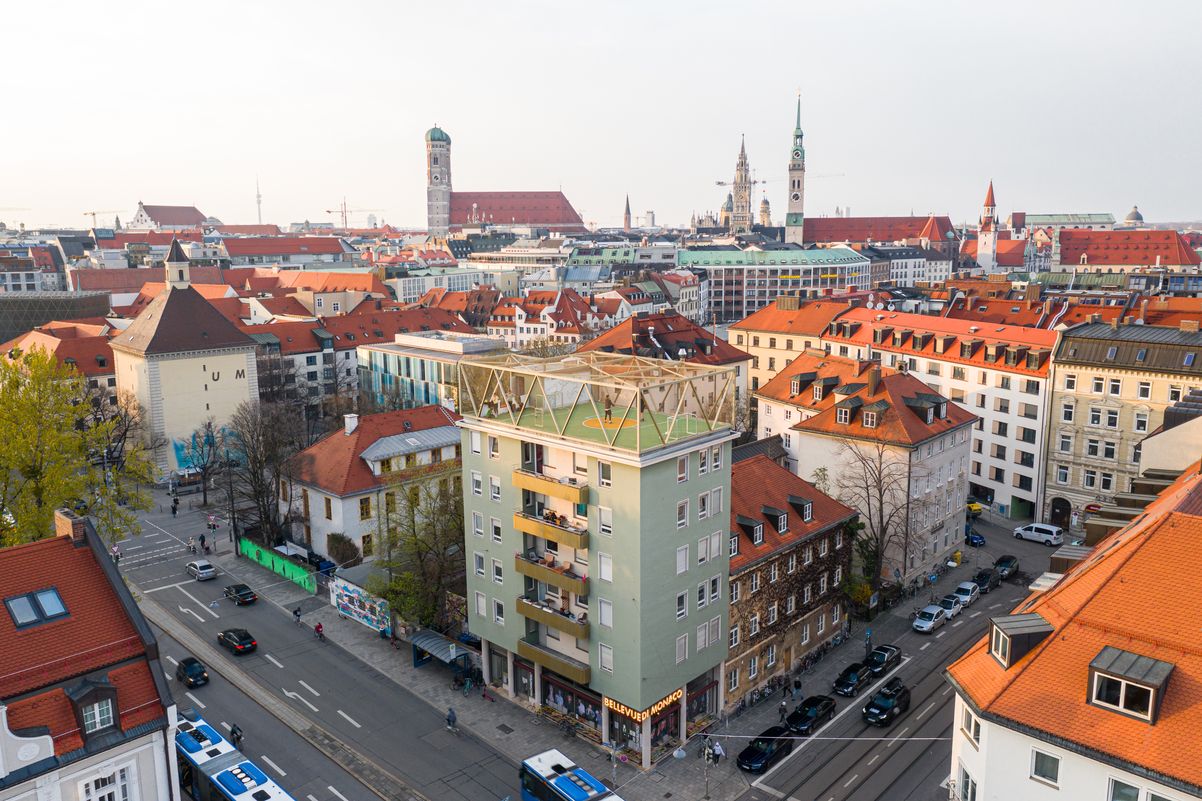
column 796, row 154
column 436, row 179
column 795, row 196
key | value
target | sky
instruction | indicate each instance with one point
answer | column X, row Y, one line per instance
column 908, row 107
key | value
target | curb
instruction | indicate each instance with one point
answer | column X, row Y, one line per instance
column 371, row 775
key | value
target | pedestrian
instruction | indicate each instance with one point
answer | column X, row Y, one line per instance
column 174, row 509
column 718, row 752
column 609, row 409
column 796, row 688
column 784, row 691
column 202, row 543
column 784, row 710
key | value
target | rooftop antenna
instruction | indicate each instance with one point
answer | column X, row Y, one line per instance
column 259, row 200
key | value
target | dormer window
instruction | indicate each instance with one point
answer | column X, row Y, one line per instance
column 782, row 523
column 999, row 646
column 943, row 410
column 1128, row 683
column 794, row 387
column 869, row 420
column 843, row 416
column 757, row 534
column 807, row 513
column 930, row 415
column 817, row 392
column 98, row 716
column 1014, row 636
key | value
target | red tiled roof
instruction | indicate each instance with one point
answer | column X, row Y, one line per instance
column 176, row 321
column 121, row 239
column 333, row 463
column 758, row 482
column 174, row 215
column 283, row 246
column 286, row 305
column 81, row 352
column 131, row 279
column 1117, row 597
column 1010, row 252
column 385, row 325
column 329, row 281
column 876, row 229
column 1000, row 311
column 250, row 230
column 671, row 332
column 523, row 208
column 989, row 201
column 824, row 365
column 1126, row 248
column 810, row 319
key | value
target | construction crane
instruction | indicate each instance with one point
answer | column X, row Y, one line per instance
column 93, row 214
column 344, row 211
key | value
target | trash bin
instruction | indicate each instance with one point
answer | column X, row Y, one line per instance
column 957, row 557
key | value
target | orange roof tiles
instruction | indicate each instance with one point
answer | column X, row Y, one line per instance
column 999, row 311
column 1010, row 252
column 758, row 482
column 1130, row 595
column 810, row 319
column 876, row 229
column 1126, row 248
column 506, row 208
column 662, row 336
column 91, row 356
column 780, row 388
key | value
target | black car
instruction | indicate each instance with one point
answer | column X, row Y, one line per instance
column 238, row 641
column 854, row 678
column 1006, row 566
column 811, row 714
column 191, row 672
column 986, row 579
column 765, row 750
column 890, row 701
column 240, row 594
column 883, row 659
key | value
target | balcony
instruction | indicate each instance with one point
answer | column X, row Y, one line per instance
column 539, row 527
column 560, row 575
column 567, row 489
column 554, row 661
column 533, row 609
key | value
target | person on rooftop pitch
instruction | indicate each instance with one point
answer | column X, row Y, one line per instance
column 609, row 408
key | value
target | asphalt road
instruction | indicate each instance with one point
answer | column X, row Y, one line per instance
column 367, row 711
column 909, row 761
column 288, row 758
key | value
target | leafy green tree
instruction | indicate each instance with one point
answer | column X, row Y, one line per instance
column 261, row 438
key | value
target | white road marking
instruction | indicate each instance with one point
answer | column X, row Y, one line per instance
column 975, row 614
column 875, row 757
column 771, row 791
column 929, row 707
column 898, row 737
column 199, row 602
column 193, row 614
column 310, row 797
column 307, row 687
column 132, row 547
column 849, row 781
column 995, row 606
column 940, row 634
column 925, row 646
column 297, row 697
column 225, row 725
column 274, row 766
column 945, row 692
column 170, row 659
column 168, row 675
column 335, row 792
column 272, row 660
column 957, row 623
column 167, row 586
column 350, row 720
column 196, row 700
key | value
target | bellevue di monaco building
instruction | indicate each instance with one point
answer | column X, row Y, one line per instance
column 595, row 488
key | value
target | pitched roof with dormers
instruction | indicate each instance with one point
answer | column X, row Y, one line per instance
column 664, row 336
column 268, row 246
column 513, row 208
column 759, row 482
column 815, row 366
column 1010, row 252
column 1119, row 598
column 91, row 355
column 810, row 318
column 335, row 465
column 877, row 229
column 1125, row 249
column 961, row 341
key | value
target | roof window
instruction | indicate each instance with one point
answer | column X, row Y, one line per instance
column 31, row 609
column 1189, row 360
column 1128, row 683
column 1111, row 352
column 1014, row 636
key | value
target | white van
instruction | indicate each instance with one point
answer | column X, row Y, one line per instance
column 1041, row 532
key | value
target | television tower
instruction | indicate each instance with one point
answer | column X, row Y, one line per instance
column 259, row 200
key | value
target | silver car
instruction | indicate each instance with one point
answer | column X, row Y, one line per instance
column 929, row 618
column 201, row 570
column 967, row 592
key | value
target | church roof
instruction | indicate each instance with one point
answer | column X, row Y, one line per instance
column 176, row 254
column 179, row 320
column 876, row 229
column 522, row 208
column 989, row 196
column 173, row 215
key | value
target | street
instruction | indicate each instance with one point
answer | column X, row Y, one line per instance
column 385, row 723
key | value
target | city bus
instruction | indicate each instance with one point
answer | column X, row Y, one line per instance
column 212, row 769
column 551, row 776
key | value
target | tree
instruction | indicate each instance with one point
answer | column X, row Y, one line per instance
column 343, row 549
column 262, row 438
column 204, row 453
column 128, row 463
column 875, row 481
column 57, row 452
column 421, row 547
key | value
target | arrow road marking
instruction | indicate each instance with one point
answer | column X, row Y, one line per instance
column 350, row 720
column 274, row 766
column 199, row 603
column 297, row 697
column 193, row 614
column 272, row 660
column 196, row 700
column 307, row 687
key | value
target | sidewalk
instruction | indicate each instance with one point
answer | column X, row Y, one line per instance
column 510, row 727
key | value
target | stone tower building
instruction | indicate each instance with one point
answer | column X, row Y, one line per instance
column 795, row 216
column 765, row 213
column 438, row 182
column 740, row 220
column 987, row 233
column 626, row 215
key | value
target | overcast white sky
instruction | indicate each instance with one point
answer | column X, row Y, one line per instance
column 907, row 106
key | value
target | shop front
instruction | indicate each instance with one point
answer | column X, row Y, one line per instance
column 564, row 702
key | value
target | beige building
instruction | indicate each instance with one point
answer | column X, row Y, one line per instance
column 1112, row 384
column 185, row 363
column 778, row 333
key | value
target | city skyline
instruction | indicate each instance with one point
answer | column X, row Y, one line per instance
column 902, row 112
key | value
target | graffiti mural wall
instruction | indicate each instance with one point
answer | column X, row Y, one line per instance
column 354, row 602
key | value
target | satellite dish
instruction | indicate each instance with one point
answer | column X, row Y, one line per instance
column 890, row 307
column 880, row 305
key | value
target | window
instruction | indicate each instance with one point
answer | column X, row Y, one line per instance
column 605, row 474
column 703, row 461
column 1189, row 360
column 494, row 488
column 494, row 448
column 715, row 588
column 753, row 626
column 682, row 648
column 772, row 613
column 481, row 604
column 1099, row 384
column 822, row 546
column 1091, row 478
column 498, row 572
column 605, row 611
column 822, row 584
column 1174, row 394
column 791, row 563
column 605, row 566
column 1121, row 791
column 1061, row 474
column 732, row 680
column 1107, row 450
column 753, row 667
column 790, row 604
column 734, row 546
column 733, row 639
column 703, row 506
column 605, row 657
column 842, row 416
column 682, row 469
column 1091, row 447
column 999, row 646
column 755, row 582
column 1116, row 386
column 838, row 539
column 682, row 513
column 1066, row 443
column 495, row 524
column 808, row 553
column 682, row 559
column 329, row 509
column 821, row 623
column 715, row 500
column 35, row 607
column 1145, row 390
column 1122, row 695
column 971, row 725
column 757, row 534
column 474, row 441
column 1112, row 418
column 782, row 523
column 477, row 483
column 116, row 786
column 1070, row 381
column 98, row 715
column 478, row 524
column 734, row 591
column 605, row 519
column 682, row 605
column 770, row 655
column 716, row 457
column 1045, row 766
column 702, row 636
column 365, row 508
column 1095, row 416
column 967, row 788
column 1066, row 413
column 479, row 562
column 838, row 575
column 1141, row 421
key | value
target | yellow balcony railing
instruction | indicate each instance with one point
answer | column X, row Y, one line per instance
column 558, row 575
column 540, row 527
column 550, row 616
column 565, row 666
column 566, row 489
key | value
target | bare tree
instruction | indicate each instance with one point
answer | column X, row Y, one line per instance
column 873, row 479
column 262, row 439
column 203, row 452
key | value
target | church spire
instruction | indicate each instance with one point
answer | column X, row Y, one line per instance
column 797, row 127
column 626, row 215
column 176, row 266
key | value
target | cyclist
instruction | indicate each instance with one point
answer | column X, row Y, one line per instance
column 296, row 614
column 191, row 545
column 319, row 631
column 451, row 718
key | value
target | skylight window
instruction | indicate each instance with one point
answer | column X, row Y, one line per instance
column 1111, row 352
column 36, row 607
column 1189, row 360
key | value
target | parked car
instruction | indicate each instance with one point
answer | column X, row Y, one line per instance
column 973, row 507
column 974, row 539
column 890, row 701
column 1006, row 566
column 766, row 750
column 240, row 594
column 929, row 618
column 1041, row 532
column 883, row 659
column 854, row 678
column 811, row 715
column 238, row 641
column 191, row 672
column 201, row 570
column 967, row 592
column 951, row 605
column 986, row 579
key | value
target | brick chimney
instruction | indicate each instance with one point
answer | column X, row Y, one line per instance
column 69, row 524
column 874, row 381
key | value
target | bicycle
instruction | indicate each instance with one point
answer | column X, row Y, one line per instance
column 319, row 634
column 467, row 686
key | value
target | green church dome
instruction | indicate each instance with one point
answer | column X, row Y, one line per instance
column 437, row 134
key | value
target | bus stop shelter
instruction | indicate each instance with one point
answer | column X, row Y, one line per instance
column 429, row 645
